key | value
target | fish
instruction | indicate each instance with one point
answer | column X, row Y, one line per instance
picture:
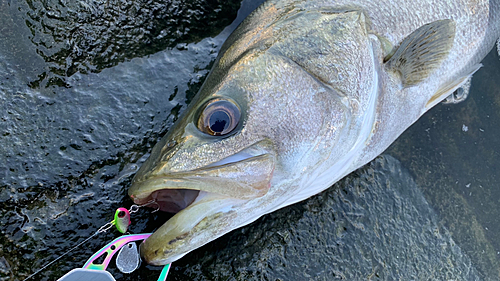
column 301, row 94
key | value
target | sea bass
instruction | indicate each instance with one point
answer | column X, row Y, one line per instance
column 301, row 94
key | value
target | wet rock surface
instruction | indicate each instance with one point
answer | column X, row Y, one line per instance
column 452, row 153
column 86, row 90
column 88, row 36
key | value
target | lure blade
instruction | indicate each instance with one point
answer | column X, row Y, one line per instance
column 128, row 259
column 110, row 249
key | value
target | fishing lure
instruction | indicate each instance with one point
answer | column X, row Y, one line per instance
column 128, row 258
column 122, row 219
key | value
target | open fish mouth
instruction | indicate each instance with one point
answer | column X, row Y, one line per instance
column 199, row 195
column 169, row 200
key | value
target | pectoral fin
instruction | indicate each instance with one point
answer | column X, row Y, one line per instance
column 449, row 88
column 422, row 51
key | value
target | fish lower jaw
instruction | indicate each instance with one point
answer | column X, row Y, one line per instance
column 167, row 261
column 190, row 228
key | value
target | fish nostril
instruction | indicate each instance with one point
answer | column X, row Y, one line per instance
column 166, row 149
column 171, row 143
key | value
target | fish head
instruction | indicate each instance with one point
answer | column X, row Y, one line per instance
column 224, row 164
column 264, row 127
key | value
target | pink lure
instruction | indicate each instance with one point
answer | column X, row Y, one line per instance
column 122, row 219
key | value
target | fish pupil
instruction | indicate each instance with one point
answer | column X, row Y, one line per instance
column 219, row 117
column 219, row 121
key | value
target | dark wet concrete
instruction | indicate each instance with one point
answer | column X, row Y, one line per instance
column 452, row 152
column 86, row 89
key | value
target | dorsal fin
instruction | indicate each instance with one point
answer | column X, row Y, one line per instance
column 422, row 51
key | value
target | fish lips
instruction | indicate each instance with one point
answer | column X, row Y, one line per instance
column 205, row 199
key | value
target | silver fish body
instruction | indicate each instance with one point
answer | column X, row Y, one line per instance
column 302, row 94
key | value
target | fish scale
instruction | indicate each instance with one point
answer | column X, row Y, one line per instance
column 322, row 89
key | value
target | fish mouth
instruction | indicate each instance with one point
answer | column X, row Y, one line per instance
column 199, row 196
column 244, row 175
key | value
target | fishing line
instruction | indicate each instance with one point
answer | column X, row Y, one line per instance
column 67, row 252
column 118, row 222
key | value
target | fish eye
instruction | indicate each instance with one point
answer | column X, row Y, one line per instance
column 219, row 117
